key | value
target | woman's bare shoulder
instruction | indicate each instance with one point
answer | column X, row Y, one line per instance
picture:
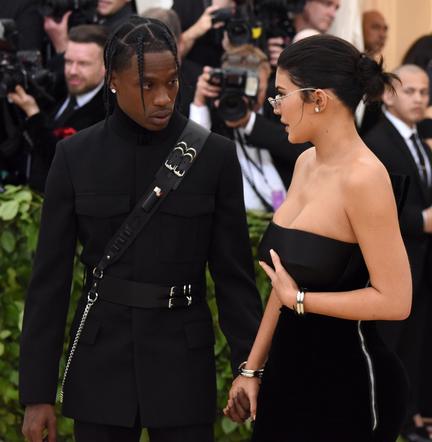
column 365, row 176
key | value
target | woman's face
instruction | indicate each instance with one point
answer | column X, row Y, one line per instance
column 295, row 114
column 159, row 91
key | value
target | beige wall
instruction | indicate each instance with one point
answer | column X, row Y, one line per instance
column 408, row 20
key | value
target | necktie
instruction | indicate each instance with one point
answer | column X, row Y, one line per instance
column 421, row 156
column 68, row 111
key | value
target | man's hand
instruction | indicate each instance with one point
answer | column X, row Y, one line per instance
column 198, row 29
column 204, row 89
column 242, row 399
column 275, row 46
column 24, row 101
column 58, row 32
column 37, row 419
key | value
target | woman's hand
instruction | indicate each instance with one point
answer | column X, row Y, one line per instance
column 242, row 399
column 284, row 286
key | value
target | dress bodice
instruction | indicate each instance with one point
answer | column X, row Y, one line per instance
column 316, row 262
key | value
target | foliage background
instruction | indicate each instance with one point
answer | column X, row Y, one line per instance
column 19, row 218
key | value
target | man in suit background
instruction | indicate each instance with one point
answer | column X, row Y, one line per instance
column 396, row 142
column 83, row 106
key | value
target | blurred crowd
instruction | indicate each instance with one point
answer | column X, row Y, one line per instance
column 52, row 85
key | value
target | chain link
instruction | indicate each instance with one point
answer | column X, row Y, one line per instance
column 90, row 302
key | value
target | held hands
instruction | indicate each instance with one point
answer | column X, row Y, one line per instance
column 37, row 419
column 242, row 399
column 284, row 287
column 24, row 101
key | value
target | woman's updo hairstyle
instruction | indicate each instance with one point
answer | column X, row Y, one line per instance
column 329, row 62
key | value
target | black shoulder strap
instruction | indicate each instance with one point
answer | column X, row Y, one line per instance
column 168, row 177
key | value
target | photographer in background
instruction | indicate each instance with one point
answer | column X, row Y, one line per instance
column 84, row 73
column 59, row 16
column 229, row 101
column 28, row 20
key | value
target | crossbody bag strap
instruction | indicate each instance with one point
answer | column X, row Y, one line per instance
column 168, row 178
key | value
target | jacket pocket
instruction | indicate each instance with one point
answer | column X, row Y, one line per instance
column 185, row 227
column 89, row 333
column 199, row 335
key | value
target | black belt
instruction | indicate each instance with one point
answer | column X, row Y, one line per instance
column 143, row 295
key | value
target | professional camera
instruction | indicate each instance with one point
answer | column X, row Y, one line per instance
column 277, row 17
column 253, row 22
column 239, row 90
column 83, row 11
column 21, row 67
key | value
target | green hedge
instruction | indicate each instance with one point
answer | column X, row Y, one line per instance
column 19, row 217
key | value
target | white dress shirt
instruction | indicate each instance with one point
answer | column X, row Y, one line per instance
column 256, row 164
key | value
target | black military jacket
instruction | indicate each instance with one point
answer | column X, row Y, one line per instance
column 156, row 361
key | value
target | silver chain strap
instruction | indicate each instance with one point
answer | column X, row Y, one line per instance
column 89, row 305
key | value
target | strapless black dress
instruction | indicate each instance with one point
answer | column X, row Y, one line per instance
column 326, row 379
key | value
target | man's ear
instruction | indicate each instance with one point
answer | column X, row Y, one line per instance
column 388, row 97
column 113, row 82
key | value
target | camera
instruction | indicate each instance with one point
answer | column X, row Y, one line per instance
column 83, row 11
column 277, row 17
column 253, row 22
column 21, row 67
column 240, row 25
column 239, row 91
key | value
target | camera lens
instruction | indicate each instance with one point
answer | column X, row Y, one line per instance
column 232, row 106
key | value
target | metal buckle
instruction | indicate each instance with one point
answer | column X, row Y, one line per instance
column 177, row 157
column 98, row 273
column 90, row 299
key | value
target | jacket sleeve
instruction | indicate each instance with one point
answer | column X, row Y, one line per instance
column 48, row 294
column 231, row 263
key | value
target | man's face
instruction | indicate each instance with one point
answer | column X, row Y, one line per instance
column 160, row 90
column 110, row 7
column 374, row 32
column 319, row 14
column 411, row 99
column 84, row 67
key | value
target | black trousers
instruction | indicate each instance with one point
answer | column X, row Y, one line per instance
column 87, row 432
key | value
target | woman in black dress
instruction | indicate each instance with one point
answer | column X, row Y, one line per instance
column 337, row 262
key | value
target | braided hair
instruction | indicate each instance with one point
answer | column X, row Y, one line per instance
column 137, row 36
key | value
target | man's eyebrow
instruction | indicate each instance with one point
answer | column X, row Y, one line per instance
column 152, row 77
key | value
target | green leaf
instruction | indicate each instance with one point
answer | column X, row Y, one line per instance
column 5, row 334
column 8, row 210
column 228, row 426
column 2, row 348
column 7, row 241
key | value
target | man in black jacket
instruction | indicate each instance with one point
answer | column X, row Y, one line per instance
column 83, row 106
column 137, row 367
column 396, row 142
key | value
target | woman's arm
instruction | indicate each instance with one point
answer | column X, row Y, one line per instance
column 371, row 210
column 242, row 399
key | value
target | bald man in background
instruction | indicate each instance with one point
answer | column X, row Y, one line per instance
column 375, row 30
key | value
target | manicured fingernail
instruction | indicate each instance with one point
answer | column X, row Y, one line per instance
column 272, row 251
